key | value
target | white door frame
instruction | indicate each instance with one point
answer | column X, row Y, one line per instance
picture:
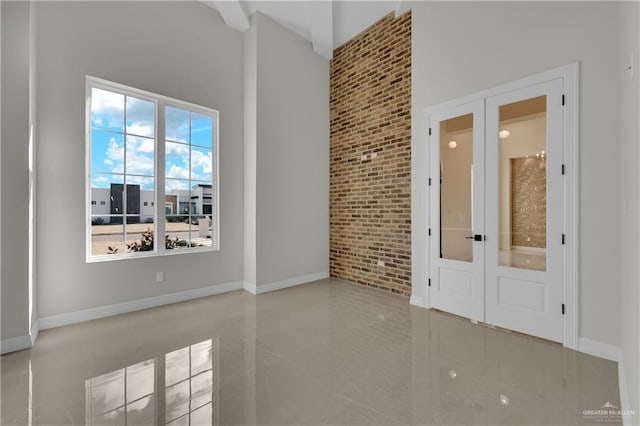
column 420, row 195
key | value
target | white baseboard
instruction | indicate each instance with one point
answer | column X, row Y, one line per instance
column 417, row 301
column 278, row 285
column 135, row 305
column 21, row 342
column 250, row 287
column 14, row 344
column 599, row 349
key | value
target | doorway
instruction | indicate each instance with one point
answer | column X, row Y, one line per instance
column 498, row 213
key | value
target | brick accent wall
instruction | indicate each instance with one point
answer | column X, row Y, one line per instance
column 370, row 197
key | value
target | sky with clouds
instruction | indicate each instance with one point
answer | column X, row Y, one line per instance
column 114, row 138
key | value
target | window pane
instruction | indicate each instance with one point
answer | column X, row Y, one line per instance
column 200, row 357
column 177, row 400
column 107, row 192
column 176, row 366
column 201, row 231
column 201, row 164
column 176, row 160
column 177, row 124
column 140, row 156
column 107, row 391
column 140, row 380
column 178, row 232
column 140, row 117
column 201, row 130
column 141, row 412
column 140, row 235
column 201, row 389
column 107, row 152
column 107, row 235
column 107, row 110
column 202, row 416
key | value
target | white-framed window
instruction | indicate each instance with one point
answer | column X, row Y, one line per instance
column 145, row 150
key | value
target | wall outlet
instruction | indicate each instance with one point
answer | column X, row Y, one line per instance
column 159, row 277
column 380, row 263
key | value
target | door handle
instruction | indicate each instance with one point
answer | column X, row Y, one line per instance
column 474, row 237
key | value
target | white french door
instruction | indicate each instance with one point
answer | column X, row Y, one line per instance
column 457, row 210
column 496, row 210
column 524, row 253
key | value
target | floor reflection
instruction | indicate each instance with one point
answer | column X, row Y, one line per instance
column 324, row 353
column 523, row 259
column 182, row 381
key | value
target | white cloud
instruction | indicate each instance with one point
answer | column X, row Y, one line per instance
column 139, row 128
column 178, row 150
column 107, row 109
column 202, row 161
column 115, row 156
column 178, row 172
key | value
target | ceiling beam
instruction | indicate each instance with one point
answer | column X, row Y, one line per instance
column 402, row 6
column 321, row 27
column 232, row 13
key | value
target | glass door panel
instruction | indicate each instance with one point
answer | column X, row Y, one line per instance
column 523, row 184
column 456, row 188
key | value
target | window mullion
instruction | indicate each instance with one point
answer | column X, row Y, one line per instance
column 160, row 177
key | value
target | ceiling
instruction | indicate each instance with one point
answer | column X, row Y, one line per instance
column 326, row 24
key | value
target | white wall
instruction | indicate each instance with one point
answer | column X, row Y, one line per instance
column 630, row 191
column 14, row 275
column 462, row 48
column 292, row 156
column 178, row 49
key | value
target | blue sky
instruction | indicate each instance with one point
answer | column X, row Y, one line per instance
column 188, row 135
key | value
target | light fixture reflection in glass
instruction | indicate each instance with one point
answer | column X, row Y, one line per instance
column 453, row 144
column 504, row 133
column 504, row 399
column 453, row 374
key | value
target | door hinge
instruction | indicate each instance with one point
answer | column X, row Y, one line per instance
column 429, row 282
column 563, row 239
column 429, row 231
column 563, row 309
column 429, row 131
column 564, row 169
column 562, row 99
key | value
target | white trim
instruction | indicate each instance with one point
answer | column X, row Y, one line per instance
column 35, row 330
column 599, row 349
column 624, row 392
column 19, row 343
column 250, row 287
column 571, row 77
column 135, row 305
column 278, row 285
column 417, row 301
column 14, row 344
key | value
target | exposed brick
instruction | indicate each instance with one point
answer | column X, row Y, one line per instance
column 370, row 200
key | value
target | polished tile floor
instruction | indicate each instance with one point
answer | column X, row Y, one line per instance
column 329, row 352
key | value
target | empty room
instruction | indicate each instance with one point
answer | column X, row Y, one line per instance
column 373, row 212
